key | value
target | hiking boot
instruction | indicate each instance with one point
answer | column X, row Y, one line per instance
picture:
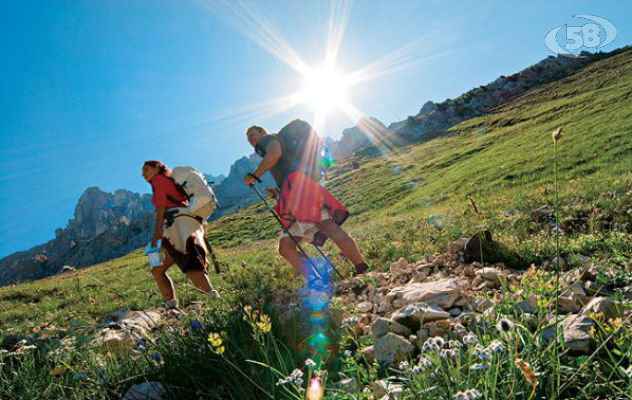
column 360, row 269
column 171, row 304
column 213, row 294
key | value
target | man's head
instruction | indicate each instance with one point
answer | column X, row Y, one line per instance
column 255, row 134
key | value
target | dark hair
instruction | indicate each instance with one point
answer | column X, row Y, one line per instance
column 162, row 168
column 166, row 172
column 257, row 128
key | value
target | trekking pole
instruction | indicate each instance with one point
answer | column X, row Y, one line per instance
column 290, row 235
column 327, row 259
column 213, row 256
column 314, row 267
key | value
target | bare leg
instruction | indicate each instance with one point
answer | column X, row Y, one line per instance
column 200, row 280
column 162, row 279
column 343, row 240
column 287, row 249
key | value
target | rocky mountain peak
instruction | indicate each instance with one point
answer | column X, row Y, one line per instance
column 366, row 131
column 104, row 226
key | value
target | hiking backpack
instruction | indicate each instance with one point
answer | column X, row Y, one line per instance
column 202, row 200
column 301, row 147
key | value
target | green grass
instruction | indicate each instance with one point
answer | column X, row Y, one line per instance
column 503, row 161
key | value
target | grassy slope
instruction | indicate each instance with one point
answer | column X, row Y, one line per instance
column 503, row 160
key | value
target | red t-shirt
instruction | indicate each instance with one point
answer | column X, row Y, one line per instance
column 166, row 194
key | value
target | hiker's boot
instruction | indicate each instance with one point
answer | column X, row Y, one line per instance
column 360, row 269
column 213, row 295
column 171, row 304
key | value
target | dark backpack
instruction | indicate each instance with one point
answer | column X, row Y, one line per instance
column 301, row 147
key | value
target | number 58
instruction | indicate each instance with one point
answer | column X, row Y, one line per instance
column 589, row 36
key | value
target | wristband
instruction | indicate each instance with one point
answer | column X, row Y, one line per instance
column 254, row 176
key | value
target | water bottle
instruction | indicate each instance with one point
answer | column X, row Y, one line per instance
column 153, row 254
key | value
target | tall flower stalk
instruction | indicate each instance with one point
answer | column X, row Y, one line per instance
column 557, row 135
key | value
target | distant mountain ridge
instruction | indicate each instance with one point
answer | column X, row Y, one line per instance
column 433, row 119
column 104, row 226
column 232, row 194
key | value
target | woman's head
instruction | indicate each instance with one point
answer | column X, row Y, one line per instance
column 153, row 168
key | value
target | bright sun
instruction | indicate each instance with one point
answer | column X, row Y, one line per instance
column 325, row 89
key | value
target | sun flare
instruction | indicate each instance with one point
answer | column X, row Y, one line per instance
column 325, row 89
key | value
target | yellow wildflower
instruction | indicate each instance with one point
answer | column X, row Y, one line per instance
column 57, row 371
column 215, row 339
column 264, row 324
column 247, row 312
column 616, row 323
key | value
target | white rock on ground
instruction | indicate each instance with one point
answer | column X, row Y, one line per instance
column 492, row 274
column 457, row 246
column 392, row 348
column 399, row 265
column 365, row 307
column 383, row 389
column 114, row 341
column 412, row 315
column 605, row 305
column 380, row 327
column 575, row 328
column 576, row 336
column 443, row 293
column 399, row 329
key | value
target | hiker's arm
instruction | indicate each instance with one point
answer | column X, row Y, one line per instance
column 273, row 154
column 160, row 216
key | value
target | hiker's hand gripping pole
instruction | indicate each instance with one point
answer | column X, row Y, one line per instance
column 296, row 242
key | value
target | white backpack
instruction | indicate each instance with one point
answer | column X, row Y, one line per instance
column 202, row 200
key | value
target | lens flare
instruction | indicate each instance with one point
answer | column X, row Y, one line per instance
column 315, row 390
column 316, row 296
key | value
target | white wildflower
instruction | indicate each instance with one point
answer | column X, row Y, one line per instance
column 473, row 394
column 482, row 353
column 479, row 367
column 448, row 353
column 430, row 345
column 347, row 353
column 296, row 377
column 461, row 396
column 439, row 341
column 424, row 362
column 454, row 344
column 496, row 346
column 297, row 374
column 310, row 363
column 470, row 338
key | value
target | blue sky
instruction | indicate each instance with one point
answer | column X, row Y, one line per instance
column 90, row 89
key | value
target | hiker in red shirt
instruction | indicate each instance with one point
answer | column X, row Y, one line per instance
column 182, row 238
column 307, row 210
